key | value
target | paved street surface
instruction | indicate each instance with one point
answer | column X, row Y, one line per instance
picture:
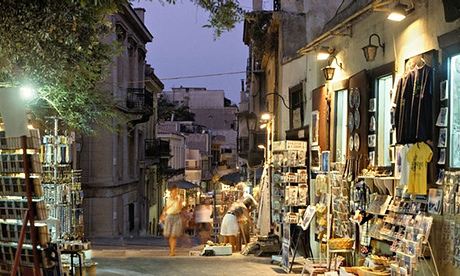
column 148, row 256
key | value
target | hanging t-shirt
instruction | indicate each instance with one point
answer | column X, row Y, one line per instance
column 418, row 157
column 404, row 165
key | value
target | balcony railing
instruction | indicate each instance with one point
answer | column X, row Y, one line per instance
column 157, row 150
column 138, row 100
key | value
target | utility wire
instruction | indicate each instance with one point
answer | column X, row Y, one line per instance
column 202, row 76
column 191, row 76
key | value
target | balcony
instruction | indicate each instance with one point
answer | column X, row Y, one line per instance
column 139, row 101
column 157, row 151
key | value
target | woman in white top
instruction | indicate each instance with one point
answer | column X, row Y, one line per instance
column 172, row 219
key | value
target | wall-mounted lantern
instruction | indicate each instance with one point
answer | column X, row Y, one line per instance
column 370, row 51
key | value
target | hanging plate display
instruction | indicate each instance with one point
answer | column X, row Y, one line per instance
column 357, row 119
column 356, row 141
column 350, row 99
column 350, row 143
column 357, row 96
column 351, row 121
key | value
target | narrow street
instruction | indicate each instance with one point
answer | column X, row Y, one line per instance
column 185, row 265
column 148, row 256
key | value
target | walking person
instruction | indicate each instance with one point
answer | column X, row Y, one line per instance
column 171, row 215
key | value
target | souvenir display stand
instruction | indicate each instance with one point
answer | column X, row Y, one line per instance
column 24, row 234
column 290, row 197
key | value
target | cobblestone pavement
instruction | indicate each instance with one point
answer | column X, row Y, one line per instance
column 148, row 256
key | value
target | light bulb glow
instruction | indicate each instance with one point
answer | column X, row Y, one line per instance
column 266, row 116
column 27, row 92
column 396, row 16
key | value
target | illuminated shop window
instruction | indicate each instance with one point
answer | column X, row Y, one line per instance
column 340, row 127
column 383, row 95
column 454, row 98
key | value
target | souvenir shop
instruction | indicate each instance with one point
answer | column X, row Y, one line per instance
column 384, row 160
column 40, row 188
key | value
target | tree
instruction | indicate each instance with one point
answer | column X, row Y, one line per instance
column 59, row 47
column 56, row 47
column 166, row 109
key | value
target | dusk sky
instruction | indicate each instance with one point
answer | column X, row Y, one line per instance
column 181, row 47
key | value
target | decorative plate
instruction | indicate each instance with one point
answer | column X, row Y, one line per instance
column 350, row 99
column 357, row 96
column 357, row 119
column 356, row 141
column 351, row 121
column 350, row 143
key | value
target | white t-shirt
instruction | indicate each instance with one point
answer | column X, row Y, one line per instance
column 405, row 166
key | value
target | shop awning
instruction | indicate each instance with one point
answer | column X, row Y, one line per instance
column 232, row 178
column 183, row 184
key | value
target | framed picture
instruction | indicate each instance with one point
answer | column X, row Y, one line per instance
column 315, row 159
column 371, row 140
column 372, row 158
column 442, row 117
column 443, row 90
column 442, row 142
column 434, row 201
column 307, row 217
column 372, row 104
column 315, row 127
column 440, row 177
column 325, row 161
column 442, row 157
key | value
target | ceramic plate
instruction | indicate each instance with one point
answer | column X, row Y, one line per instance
column 356, row 141
column 357, row 119
column 350, row 143
column 350, row 99
column 357, row 100
column 351, row 121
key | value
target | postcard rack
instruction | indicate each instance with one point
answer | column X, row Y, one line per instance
column 23, row 234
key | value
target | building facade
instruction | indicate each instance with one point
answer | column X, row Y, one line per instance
column 117, row 180
column 342, row 103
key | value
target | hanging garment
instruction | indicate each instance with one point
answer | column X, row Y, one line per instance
column 413, row 112
column 418, row 156
column 402, row 110
column 404, row 165
column 422, row 105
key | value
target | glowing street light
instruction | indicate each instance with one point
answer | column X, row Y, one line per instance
column 27, row 92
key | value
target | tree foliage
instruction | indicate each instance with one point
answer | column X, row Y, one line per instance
column 61, row 49
column 166, row 109
column 56, row 46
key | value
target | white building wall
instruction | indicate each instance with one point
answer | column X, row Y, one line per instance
column 292, row 73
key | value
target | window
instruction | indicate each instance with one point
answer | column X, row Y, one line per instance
column 454, row 124
column 383, row 97
column 296, row 119
column 340, row 125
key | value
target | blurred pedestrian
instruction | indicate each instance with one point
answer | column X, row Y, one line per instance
column 171, row 216
column 203, row 220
